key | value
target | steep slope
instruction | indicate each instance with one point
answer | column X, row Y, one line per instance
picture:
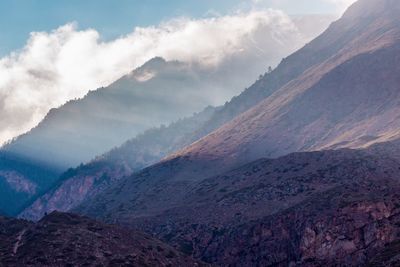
column 76, row 185
column 338, row 37
column 306, row 209
column 69, row 240
column 348, row 100
column 21, row 180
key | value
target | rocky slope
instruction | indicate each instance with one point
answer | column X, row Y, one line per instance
column 349, row 99
column 305, row 209
column 76, row 185
column 69, row 240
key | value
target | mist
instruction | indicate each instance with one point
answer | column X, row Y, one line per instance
column 65, row 64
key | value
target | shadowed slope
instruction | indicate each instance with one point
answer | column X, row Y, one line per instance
column 309, row 208
column 62, row 239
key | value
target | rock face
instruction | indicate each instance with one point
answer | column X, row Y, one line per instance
column 70, row 240
column 77, row 185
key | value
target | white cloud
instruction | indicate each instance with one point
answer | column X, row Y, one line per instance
column 341, row 5
column 66, row 63
column 337, row 6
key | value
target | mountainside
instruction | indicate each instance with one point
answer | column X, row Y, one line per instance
column 347, row 100
column 338, row 37
column 70, row 240
column 76, row 185
column 22, row 179
column 304, row 209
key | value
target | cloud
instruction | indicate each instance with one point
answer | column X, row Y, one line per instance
column 66, row 63
column 335, row 6
column 341, row 5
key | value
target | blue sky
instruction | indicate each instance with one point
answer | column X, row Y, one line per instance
column 116, row 17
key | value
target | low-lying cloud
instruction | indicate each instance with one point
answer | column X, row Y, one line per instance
column 66, row 63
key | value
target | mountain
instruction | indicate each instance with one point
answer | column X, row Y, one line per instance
column 62, row 239
column 308, row 209
column 158, row 93
column 155, row 94
column 346, row 97
column 21, row 180
column 82, row 129
column 85, row 181
column 344, row 39
column 263, row 88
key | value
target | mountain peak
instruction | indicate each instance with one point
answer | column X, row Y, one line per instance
column 368, row 8
column 155, row 61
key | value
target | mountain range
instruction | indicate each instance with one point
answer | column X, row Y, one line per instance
column 344, row 97
column 300, row 169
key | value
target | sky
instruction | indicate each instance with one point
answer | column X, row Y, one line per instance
column 54, row 51
column 113, row 18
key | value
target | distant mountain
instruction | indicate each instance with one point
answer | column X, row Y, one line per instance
column 76, row 185
column 155, row 94
column 62, row 239
column 21, row 180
